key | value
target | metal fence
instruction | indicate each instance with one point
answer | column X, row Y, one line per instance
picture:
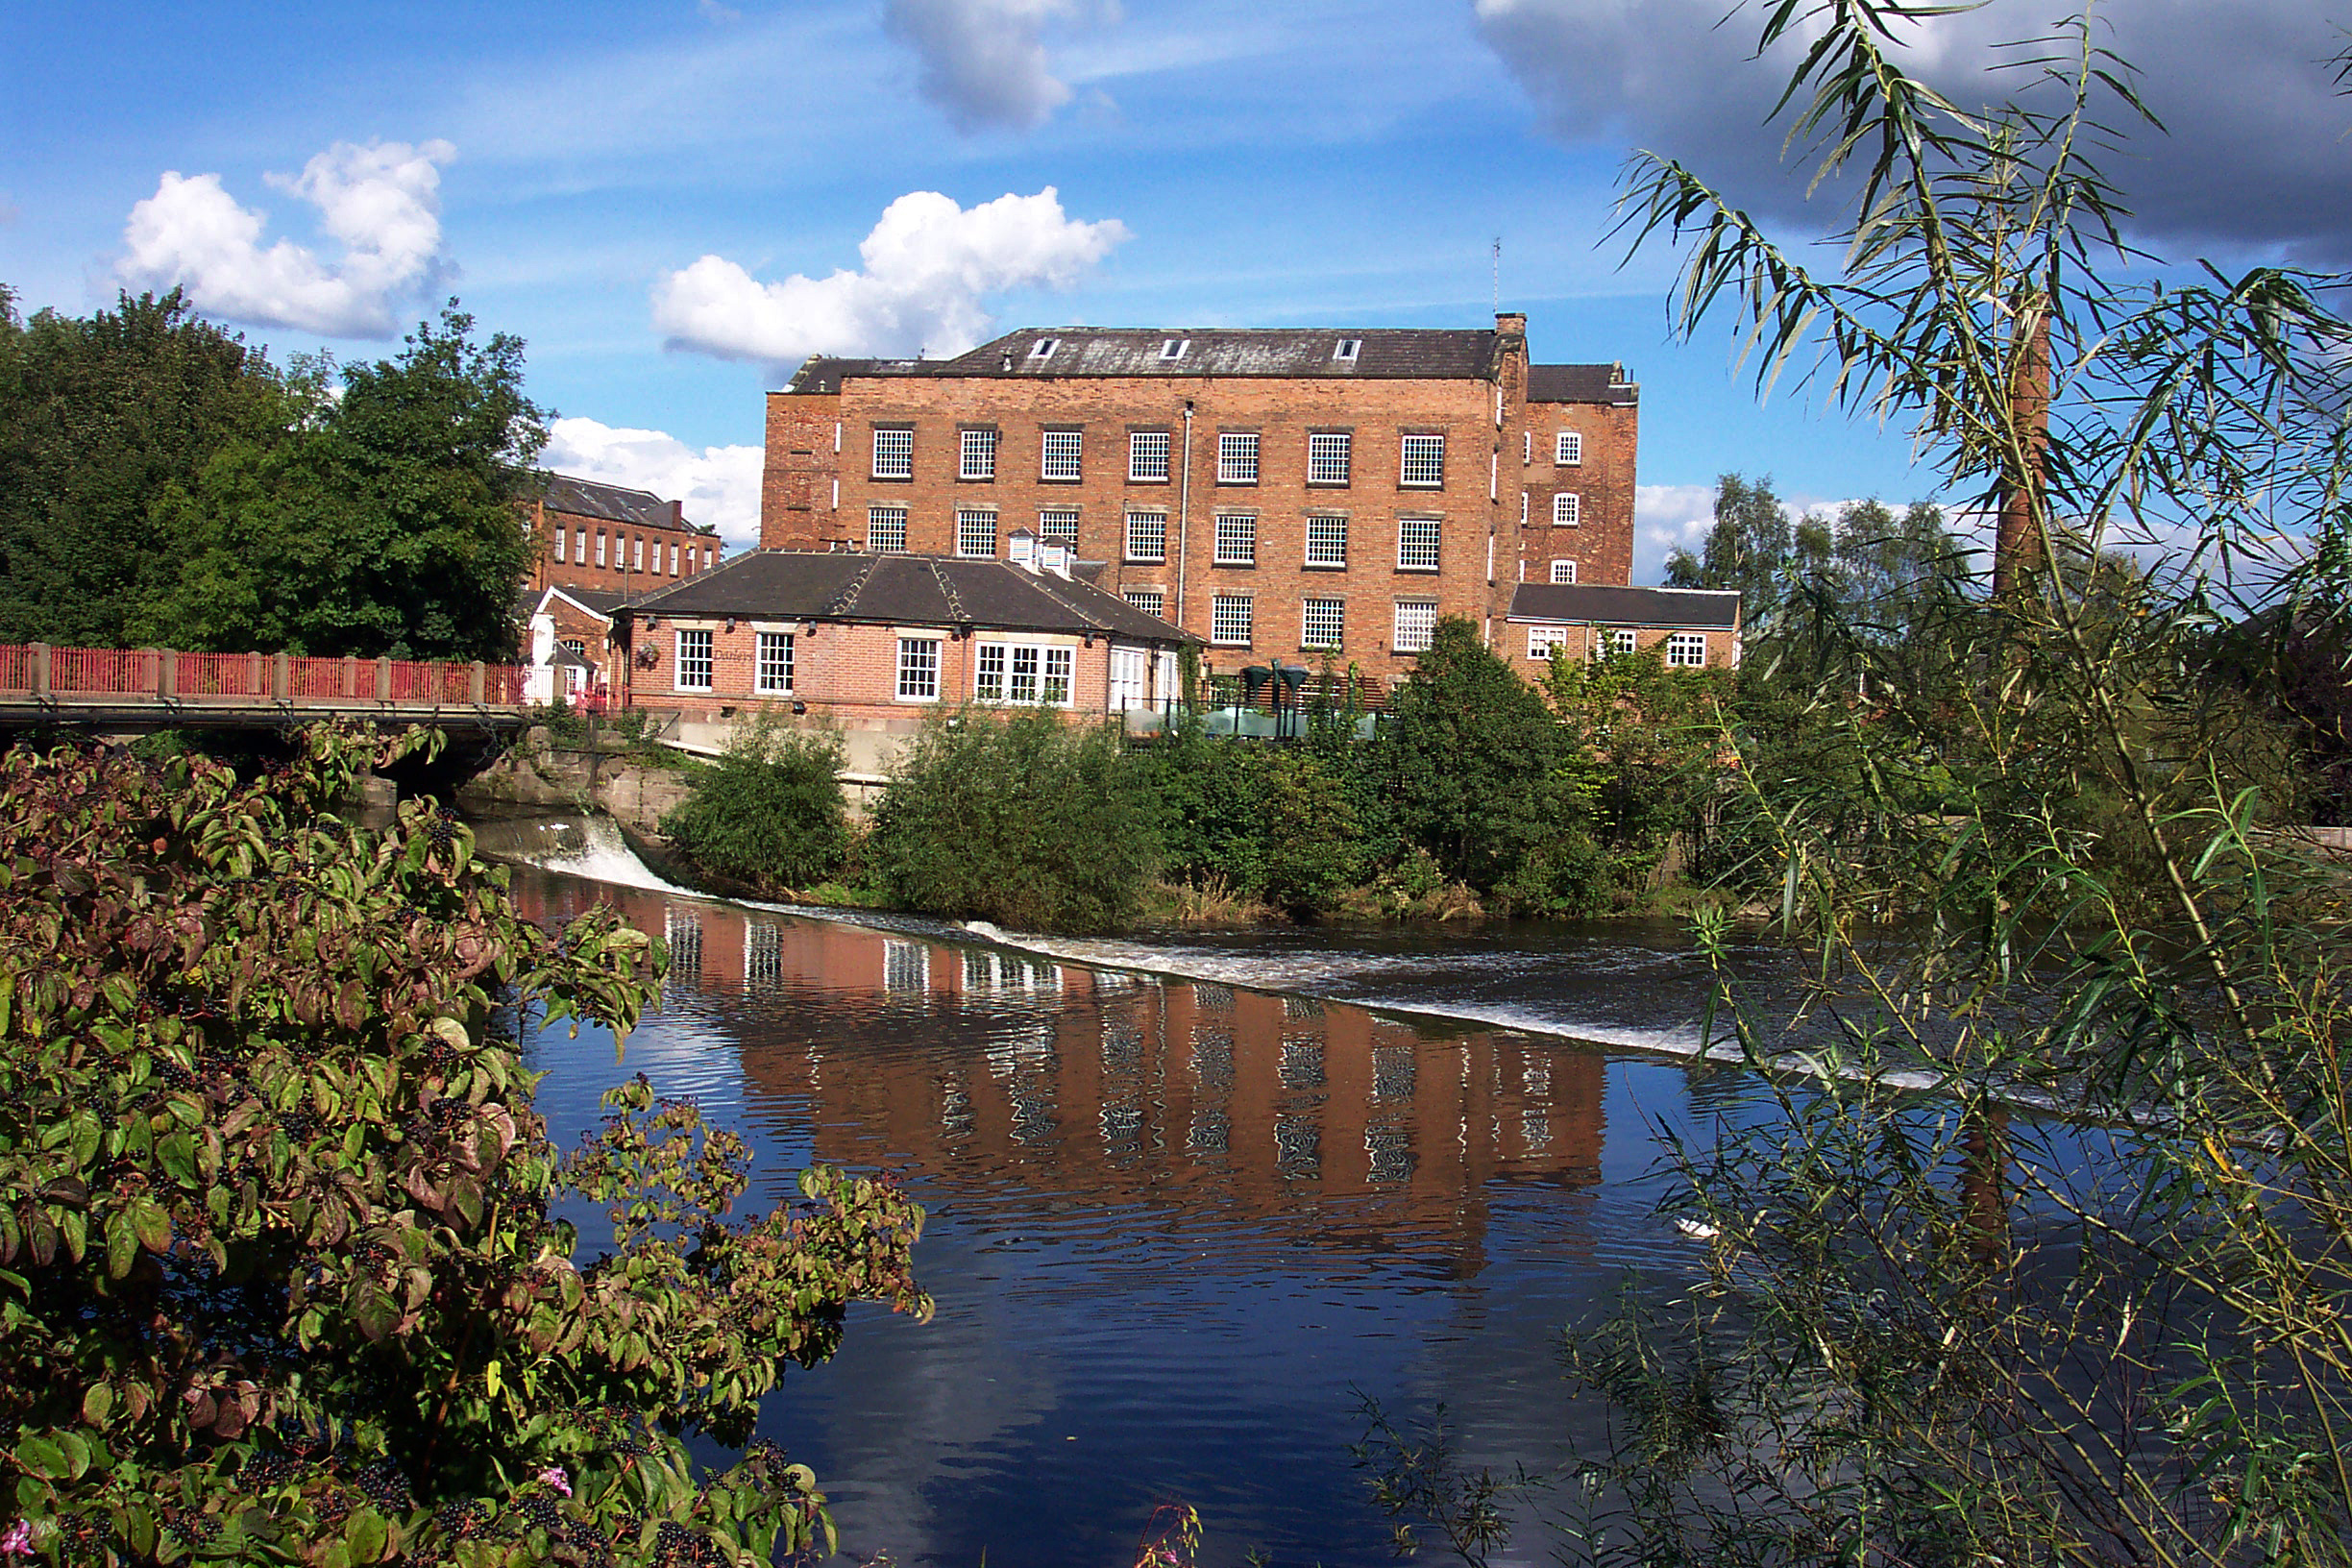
column 164, row 675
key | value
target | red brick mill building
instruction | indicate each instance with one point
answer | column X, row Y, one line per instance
column 1286, row 496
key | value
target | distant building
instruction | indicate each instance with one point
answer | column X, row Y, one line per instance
column 1690, row 628
column 570, row 634
column 878, row 641
column 612, row 538
column 1285, row 496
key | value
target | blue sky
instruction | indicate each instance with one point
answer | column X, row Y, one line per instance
column 631, row 187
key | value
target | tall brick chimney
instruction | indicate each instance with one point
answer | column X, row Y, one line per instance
column 677, row 508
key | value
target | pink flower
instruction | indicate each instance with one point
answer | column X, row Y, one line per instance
column 18, row 1541
column 553, row 1475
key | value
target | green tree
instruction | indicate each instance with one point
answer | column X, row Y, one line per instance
column 771, row 811
column 1749, row 549
column 102, row 421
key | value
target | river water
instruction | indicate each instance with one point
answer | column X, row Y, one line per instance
column 1190, row 1200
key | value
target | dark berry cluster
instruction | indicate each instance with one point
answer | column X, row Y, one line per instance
column 271, row 1467
column 674, row 1546
column 542, row 1510
column 384, row 1485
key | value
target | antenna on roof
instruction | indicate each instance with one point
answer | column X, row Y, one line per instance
column 1497, row 273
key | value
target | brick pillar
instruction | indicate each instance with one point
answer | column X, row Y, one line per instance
column 167, row 674
column 350, row 685
column 473, row 683
column 40, row 669
column 282, row 684
column 383, row 680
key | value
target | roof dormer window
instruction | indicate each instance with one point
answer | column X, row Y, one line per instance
column 1175, row 347
column 1347, row 349
column 1044, row 348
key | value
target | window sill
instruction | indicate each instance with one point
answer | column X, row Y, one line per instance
column 1328, row 484
column 1074, row 478
column 892, row 478
column 1323, row 566
column 1214, row 643
column 975, row 478
column 1437, row 489
column 1146, row 560
column 1141, row 478
column 1418, row 571
column 1235, row 566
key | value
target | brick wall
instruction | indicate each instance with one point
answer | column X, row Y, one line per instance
column 619, row 571
column 1601, row 542
column 1722, row 646
column 796, row 510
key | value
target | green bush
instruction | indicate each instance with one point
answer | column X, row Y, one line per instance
column 1279, row 824
column 282, row 1276
column 771, row 810
column 1023, row 820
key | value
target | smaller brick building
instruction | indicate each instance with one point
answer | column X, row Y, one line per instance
column 878, row 641
column 1690, row 628
column 569, row 631
column 613, row 538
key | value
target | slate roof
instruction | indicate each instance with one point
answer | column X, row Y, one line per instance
column 908, row 590
column 1382, row 353
column 614, row 502
column 1581, row 383
column 1699, row 609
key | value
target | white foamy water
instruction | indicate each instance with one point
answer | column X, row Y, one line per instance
column 584, row 847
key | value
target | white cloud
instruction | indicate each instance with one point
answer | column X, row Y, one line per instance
column 1666, row 516
column 719, row 485
column 982, row 62
column 380, row 203
column 929, row 265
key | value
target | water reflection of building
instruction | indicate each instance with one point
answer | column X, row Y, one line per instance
column 990, row 1068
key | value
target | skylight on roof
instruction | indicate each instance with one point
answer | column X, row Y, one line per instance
column 1175, row 347
column 1348, row 348
column 1044, row 348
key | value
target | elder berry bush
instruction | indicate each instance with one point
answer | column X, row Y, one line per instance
column 280, row 1281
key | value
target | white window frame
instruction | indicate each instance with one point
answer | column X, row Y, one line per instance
column 599, row 547
column 1329, row 550
column 1237, row 457
column 1567, row 509
column 1155, row 527
column 1331, row 457
column 1061, row 456
column 674, row 558
column 881, row 523
column 707, row 659
column 1420, row 544
column 1333, row 611
column 1423, row 451
column 1060, row 523
column 1235, row 539
column 1175, row 347
column 918, row 669
column 771, row 671
column 1617, row 640
column 1568, row 448
column 1565, row 577
column 1347, row 349
column 1543, row 641
column 1526, row 446
column 558, row 543
column 1424, row 628
column 1149, row 456
column 1024, row 675
column 1157, row 598
column 1222, row 609
column 640, row 554
column 976, row 452
column 1044, row 348
column 894, row 458
column 969, row 519
column 1686, row 650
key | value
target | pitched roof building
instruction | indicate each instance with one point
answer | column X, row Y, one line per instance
column 1689, row 627
column 612, row 538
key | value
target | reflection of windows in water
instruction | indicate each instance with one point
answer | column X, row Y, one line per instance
column 955, row 1111
column 764, row 953
column 1298, row 1144
column 1027, row 1050
column 1535, row 1077
column 906, row 965
column 1213, row 1058
column 1302, row 1062
column 1534, row 1130
column 1032, row 1118
column 1122, row 1126
column 685, row 933
column 987, row 970
column 1210, row 1132
column 1110, row 980
column 1391, row 1156
column 1302, row 1007
column 1122, row 1047
column 1392, row 1072
column 1214, row 998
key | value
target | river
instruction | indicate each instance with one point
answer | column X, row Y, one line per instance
column 1190, row 1199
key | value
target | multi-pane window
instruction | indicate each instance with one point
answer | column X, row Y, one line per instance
column 674, row 560
column 1422, row 465
column 1322, row 623
column 693, row 661
column 599, row 547
column 1237, row 458
column 894, row 453
column 1567, row 509
column 1147, row 536
column 1620, row 641
column 1063, row 456
column 1022, row 672
column 977, row 457
column 1150, row 601
column 1231, row 619
column 559, row 546
column 1686, row 649
column 1563, row 571
column 1568, row 447
column 886, row 527
column 1544, row 641
column 1236, row 539
column 707, row 549
column 1417, row 543
column 1417, row 624
column 1326, row 541
column 1059, row 525
column 975, row 530
column 918, row 669
column 1148, row 455
column 1329, row 455
column 775, row 672
column 640, row 565
column 1526, row 446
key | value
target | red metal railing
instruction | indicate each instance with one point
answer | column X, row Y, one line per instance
column 164, row 675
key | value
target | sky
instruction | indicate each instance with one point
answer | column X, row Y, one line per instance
column 672, row 202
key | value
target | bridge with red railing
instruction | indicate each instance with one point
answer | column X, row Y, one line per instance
column 150, row 688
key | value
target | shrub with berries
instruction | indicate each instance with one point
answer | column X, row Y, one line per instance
column 281, row 1275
